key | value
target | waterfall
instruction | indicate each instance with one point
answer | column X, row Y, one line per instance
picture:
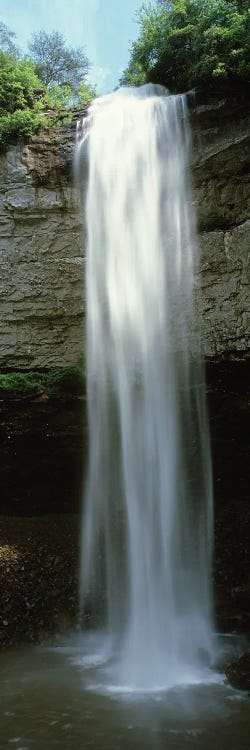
column 147, row 526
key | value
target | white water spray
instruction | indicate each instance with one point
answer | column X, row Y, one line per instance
column 147, row 529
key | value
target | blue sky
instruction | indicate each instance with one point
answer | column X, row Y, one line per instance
column 103, row 27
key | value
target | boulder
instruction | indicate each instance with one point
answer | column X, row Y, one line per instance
column 238, row 673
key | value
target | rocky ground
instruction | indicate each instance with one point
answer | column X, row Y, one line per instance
column 43, row 450
column 39, row 562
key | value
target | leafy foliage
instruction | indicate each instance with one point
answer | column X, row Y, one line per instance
column 58, row 381
column 7, row 37
column 18, row 83
column 58, row 97
column 185, row 44
column 86, row 93
column 20, row 109
column 21, row 124
column 56, row 63
column 27, row 92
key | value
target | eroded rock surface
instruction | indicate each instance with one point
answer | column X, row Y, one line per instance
column 41, row 255
column 221, row 160
column 42, row 246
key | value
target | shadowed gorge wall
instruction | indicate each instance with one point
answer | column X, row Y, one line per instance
column 41, row 247
column 44, row 440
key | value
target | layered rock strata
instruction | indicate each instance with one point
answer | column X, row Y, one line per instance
column 42, row 245
column 41, row 255
column 221, row 161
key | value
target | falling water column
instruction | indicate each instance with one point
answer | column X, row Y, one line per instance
column 147, row 529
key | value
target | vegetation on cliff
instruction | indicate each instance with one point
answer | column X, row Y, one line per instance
column 183, row 44
column 56, row 382
column 53, row 78
column 21, row 112
column 192, row 44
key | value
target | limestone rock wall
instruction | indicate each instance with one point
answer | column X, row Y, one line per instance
column 41, row 255
column 221, row 160
column 41, row 245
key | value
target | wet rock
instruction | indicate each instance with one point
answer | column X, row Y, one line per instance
column 42, row 250
column 238, row 673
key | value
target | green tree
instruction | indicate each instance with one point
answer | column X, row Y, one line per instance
column 58, row 97
column 18, row 83
column 55, row 62
column 86, row 93
column 7, row 37
column 25, row 97
column 20, row 103
column 185, row 44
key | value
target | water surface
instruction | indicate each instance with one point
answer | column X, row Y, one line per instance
column 49, row 699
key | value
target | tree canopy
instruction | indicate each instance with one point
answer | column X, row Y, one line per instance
column 55, row 79
column 7, row 37
column 20, row 109
column 192, row 44
column 18, row 83
column 55, row 62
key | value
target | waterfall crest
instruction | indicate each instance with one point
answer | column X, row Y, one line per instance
column 147, row 527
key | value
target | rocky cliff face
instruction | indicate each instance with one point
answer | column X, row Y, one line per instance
column 221, row 158
column 41, row 255
column 41, row 247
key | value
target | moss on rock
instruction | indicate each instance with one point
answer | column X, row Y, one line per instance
column 55, row 382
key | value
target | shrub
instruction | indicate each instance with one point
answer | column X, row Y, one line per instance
column 21, row 124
